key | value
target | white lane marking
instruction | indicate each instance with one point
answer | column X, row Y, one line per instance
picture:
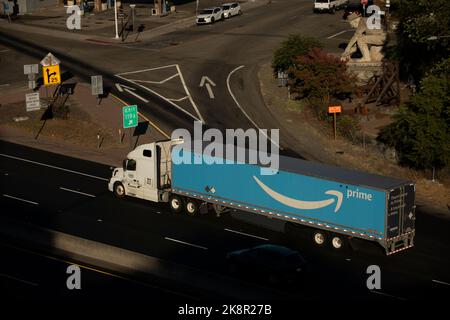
column 54, row 167
column 186, row 243
column 387, row 295
column 339, row 33
column 178, row 100
column 441, row 282
column 156, row 82
column 4, row 85
column 20, row 280
column 120, row 87
column 189, row 95
column 144, row 70
column 239, row 106
column 157, row 94
column 20, row 199
column 136, row 95
column 246, row 234
column 6, row 50
column 79, row 192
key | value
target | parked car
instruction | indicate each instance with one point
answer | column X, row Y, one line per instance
column 210, row 15
column 329, row 5
column 274, row 263
column 231, row 9
column 355, row 7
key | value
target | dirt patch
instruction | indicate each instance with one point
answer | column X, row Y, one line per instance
column 79, row 128
column 365, row 155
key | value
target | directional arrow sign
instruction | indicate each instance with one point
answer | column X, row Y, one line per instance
column 208, row 83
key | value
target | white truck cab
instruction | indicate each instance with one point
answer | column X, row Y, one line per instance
column 146, row 173
column 329, row 5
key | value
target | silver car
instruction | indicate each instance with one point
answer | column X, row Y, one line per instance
column 231, row 9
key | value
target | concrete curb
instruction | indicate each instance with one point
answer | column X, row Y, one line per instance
column 128, row 262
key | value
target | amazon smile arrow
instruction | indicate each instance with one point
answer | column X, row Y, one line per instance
column 301, row 204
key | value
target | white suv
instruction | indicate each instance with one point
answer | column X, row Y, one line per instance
column 231, row 9
column 210, row 15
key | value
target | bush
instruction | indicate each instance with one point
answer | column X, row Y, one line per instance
column 321, row 77
column 421, row 130
column 295, row 45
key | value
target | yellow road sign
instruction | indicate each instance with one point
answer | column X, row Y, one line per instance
column 51, row 75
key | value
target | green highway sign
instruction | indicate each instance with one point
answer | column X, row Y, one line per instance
column 130, row 116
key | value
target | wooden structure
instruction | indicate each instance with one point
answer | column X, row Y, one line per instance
column 384, row 88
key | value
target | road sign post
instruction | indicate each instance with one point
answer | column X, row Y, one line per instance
column 334, row 110
column 50, row 70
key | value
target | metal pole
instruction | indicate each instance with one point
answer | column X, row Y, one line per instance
column 115, row 19
column 334, row 118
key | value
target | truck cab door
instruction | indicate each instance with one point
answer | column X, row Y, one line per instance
column 131, row 181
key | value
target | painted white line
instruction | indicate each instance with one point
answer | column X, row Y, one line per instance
column 20, row 280
column 239, row 106
column 338, row 34
column 162, row 97
column 79, row 192
column 156, row 82
column 54, row 167
column 186, row 243
column 119, row 87
column 144, row 70
column 246, row 234
column 4, row 85
column 189, row 95
column 20, row 199
column 136, row 95
column 6, row 50
column 387, row 295
column 441, row 282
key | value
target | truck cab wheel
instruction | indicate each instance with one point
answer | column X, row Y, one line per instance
column 337, row 242
column 176, row 203
column 319, row 238
column 191, row 207
column 119, row 190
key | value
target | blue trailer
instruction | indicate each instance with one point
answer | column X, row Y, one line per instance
column 337, row 203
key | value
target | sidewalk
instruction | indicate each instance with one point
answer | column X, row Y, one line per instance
column 100, row 27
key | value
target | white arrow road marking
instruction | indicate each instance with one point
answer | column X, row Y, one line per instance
column 120, row 87
column 208, row 82
column 300, row 204
column 136, row 95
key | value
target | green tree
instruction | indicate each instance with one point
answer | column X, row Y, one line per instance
column 418, row 21
column 321, row 76
column 420, row 131
column 295, row 45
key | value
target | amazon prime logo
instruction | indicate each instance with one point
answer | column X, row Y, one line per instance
column 238, row 146
column 374, row 21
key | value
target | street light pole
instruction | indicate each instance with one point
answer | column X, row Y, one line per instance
column 115, row 19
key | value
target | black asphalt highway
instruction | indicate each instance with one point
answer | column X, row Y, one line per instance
column 70, row 195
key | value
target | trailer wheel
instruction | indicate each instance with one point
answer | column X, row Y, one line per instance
column 176, row 203
column 119, row 190
column 319, row 238
column 191, row 207
column 337, row 242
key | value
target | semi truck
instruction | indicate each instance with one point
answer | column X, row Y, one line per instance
column 334, row 203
